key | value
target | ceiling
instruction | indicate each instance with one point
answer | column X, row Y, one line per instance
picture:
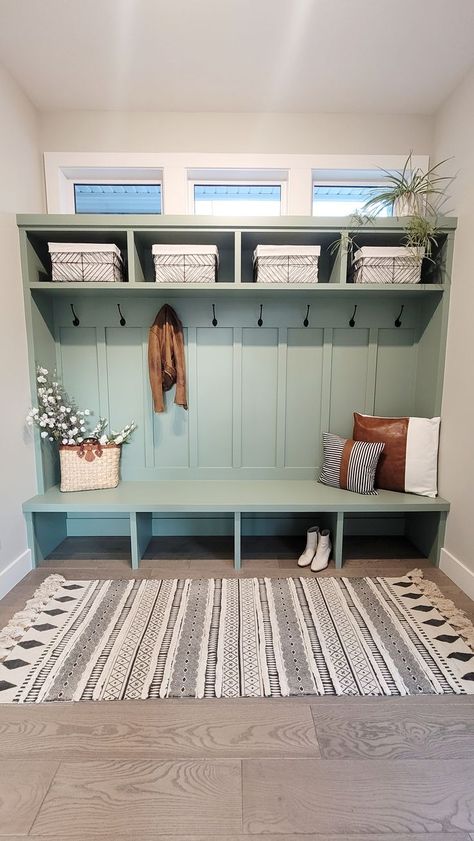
column 364, row 56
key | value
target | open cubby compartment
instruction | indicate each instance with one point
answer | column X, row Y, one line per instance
column 38, row 260
column 433, row 271
column 422, row 530
column 330, row 262
column 224, row 239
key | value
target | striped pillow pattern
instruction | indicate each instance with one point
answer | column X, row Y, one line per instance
column 348, row 464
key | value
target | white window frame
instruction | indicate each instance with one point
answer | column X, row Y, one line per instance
column 237, row 182
column 176, row 169
column 143, row 181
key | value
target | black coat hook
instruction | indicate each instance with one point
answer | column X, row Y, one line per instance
column 398, row 320
column 260, row 320
column 122, row 319
column 75, row 320
column 352, row 320
column 306, row 321
column 214, row 319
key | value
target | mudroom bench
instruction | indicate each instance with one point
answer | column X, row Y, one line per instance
column 46, row 514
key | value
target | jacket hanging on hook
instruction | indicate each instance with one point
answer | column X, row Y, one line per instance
column 166, row 360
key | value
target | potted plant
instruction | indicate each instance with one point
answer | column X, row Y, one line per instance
column 410, row 191
column 89, row 458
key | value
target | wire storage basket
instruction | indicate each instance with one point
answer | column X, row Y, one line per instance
column 286, row 263
column 381, row 264
column 89, row 466
column 185, row 263
column 73, row 262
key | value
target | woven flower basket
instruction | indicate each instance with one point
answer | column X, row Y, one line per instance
column 89, row 466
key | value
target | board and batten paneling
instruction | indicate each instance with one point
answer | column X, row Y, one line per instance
column 259, row 397
column 396, row 372
column 349, row 377
column 304, row 379
column 214, row 396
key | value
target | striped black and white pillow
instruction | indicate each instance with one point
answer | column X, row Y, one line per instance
column 349, row 464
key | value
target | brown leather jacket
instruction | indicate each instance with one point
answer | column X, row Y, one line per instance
column 166, row 359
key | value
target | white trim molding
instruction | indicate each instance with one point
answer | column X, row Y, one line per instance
column 176, row 169
column 457, row 572
column 14, row 572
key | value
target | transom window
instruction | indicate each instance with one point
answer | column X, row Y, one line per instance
column 237, row 199
column 344, row 199
column 117, row 198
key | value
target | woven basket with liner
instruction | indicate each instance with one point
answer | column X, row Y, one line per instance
column 89, row 466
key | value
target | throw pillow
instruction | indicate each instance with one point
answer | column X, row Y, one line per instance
column 349, row 464
column 409, row 461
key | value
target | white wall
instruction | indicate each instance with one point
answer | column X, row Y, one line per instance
column 454, row 132
column 21, row 190
column 109, row 131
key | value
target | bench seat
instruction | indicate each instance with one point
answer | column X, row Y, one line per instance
column 46, row 513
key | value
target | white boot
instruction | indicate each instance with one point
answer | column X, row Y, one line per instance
column 311, row 545
column 323, row 552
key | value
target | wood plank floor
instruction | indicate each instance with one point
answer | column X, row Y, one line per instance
column 305, row 769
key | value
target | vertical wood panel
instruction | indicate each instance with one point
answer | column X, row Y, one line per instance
column 396, row 372
column 349, row 377
column 303, row 396
column 193, row 395
column 214, row 396
column 237, row 399
column 147, row 406
column 281, row 396
column 170, row 433
column 125, row 391
column 79, row 366
column 259, row 396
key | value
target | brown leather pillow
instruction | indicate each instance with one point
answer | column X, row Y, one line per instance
column 409, row 459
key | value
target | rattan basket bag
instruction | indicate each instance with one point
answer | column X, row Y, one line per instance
column 89, row 466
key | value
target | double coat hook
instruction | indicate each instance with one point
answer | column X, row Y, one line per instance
column 75, row 320
column 352, row 319
column 214, row 319
column 306, row 320
column 260, row 320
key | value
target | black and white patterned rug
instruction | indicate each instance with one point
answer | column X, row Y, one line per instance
column 229, row 638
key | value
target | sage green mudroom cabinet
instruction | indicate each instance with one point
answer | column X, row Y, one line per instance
column 245, row 457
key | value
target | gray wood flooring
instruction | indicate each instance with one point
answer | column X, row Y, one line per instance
column 306, row 769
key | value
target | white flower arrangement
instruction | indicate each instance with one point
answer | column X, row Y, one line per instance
column 59, row 419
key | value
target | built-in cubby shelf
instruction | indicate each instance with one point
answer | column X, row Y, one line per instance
column 260, row 395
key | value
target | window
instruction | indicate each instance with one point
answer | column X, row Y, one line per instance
column 237, row 199
column 344, row 199
column 117, row 198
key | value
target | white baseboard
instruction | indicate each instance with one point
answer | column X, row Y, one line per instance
column 14, row 572
column 458, row 572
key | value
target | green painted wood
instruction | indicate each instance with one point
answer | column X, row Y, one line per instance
column 171, row 433
column 73, row 222
column 259, row 396
column 237, row 398
column 45, row 531
column 396, row 372
column 427, row 533
column 229, row 495
column 303, row 403
column 125, row 392
column 79, row 365
column 349, row 377
column 281, row 400
column 338, row 540
column 140, row 535
column 214, row 396
column 237, row 540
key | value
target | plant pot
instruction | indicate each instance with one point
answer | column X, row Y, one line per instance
column 409, row 205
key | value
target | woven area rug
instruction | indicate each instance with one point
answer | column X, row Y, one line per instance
column 254, row 637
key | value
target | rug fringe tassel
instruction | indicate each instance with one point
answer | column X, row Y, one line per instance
column 22, row 621
column 457, row 618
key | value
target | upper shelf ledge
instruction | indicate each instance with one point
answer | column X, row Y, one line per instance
column 97, row 222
